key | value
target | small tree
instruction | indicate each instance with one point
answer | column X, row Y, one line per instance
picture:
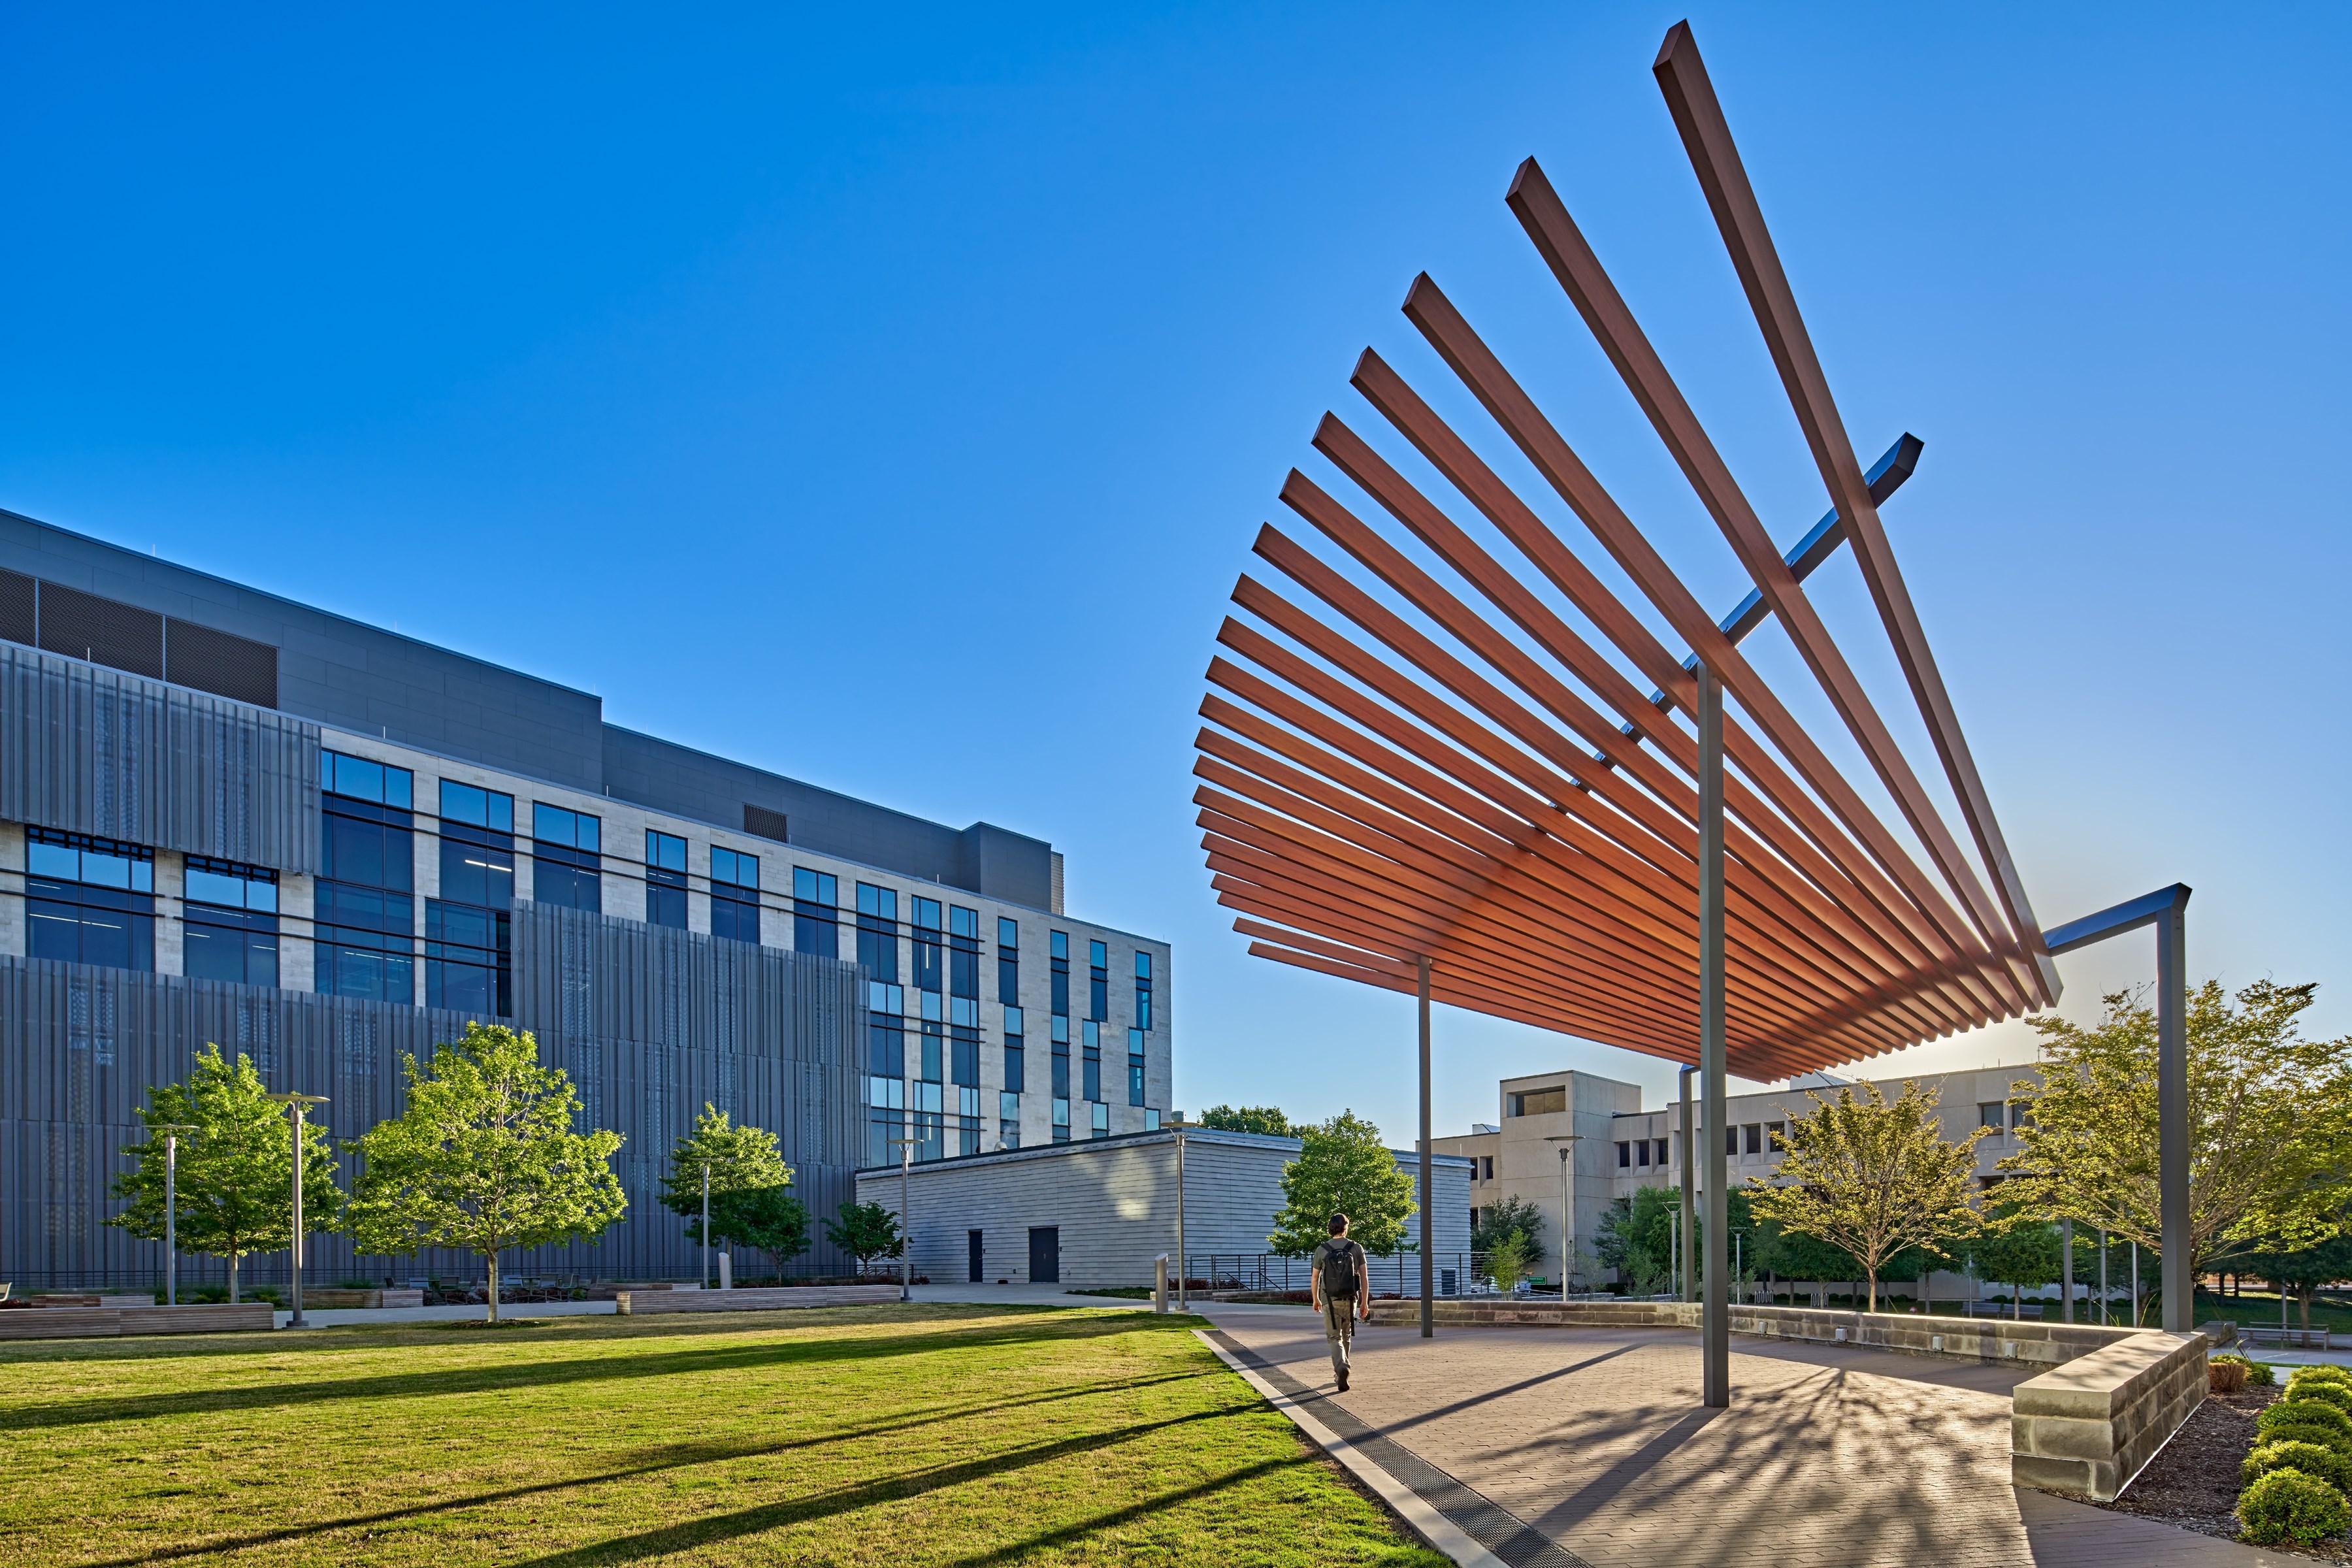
column 1342, row 1168
column 235, row 1179
column 1264, row 1119
column 750, row 1204
column 1512, row 1216
column 2270, row 1125
column 1636, row 1238
column 2301, row 1274
column 1506, row 1260
column 1871, row 1177
column 2021, row 1253
column 866, row 1231
column 485, row 1158
column 1796, row 1257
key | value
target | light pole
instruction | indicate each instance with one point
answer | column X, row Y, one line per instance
column 1176, row 1121
column 906, row 1147
column 296, row 1107
column 1568, row 1143
column 170, row 1131
column 706, row 1225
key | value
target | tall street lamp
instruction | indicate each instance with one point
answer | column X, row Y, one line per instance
column 1568, row 1142
column 906, row 1147
column 704, row 1282
column 296, row 1107
column 1176, row 1123
column 170, row 1131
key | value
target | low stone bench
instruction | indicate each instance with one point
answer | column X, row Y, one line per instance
column 103, row 1322
column 2086, row 1427
column 640, row 1303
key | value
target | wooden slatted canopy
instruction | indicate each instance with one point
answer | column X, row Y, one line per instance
column 1444, row 749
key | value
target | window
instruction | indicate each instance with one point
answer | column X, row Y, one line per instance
column 877, row 933
column 1058, row 961
column 1535, row 1101
column 1151, row 1119
column 1731, row 1140
column 1090, row 1059
column 476, row 845
column 1097, row 981
column 363, row 906
column 1143, row 991
column 967, row 1120
column 467, row 934
column 468, row 964
column 1993, row 1114
column 1102, row 1119
column 1135, row 1066
column 964, row 955
column 1015, row 1044
column 734, row 895
column 1774, row 1132
column 816, row 895
column 885, row 1105
column 1661, row 1151
column 567, row 862
column 1008, row 960
column 1487, row 1163
column 923, row 1098
column 1643, row 1150
column 229, row 930
column 88, row 901
column 926, row 930
column 1753, row 1134
column 2020, row 1113
column 1008, row 1119
column 1061, row 1119
column 665, row 880
column 1625, row 1156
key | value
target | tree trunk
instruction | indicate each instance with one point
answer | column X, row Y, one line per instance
column 232, row 1279
column 494, row 1288
column 1874, row 1291
column 2302, row 1294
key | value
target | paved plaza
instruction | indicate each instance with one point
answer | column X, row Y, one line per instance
column 1556, row 1447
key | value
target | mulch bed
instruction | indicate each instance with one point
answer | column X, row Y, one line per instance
column 2192, row 1483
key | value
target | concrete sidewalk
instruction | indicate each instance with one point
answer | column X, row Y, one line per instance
column 1556, row 1449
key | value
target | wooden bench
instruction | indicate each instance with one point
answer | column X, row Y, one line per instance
column 640, row 1303
column 106, row 1322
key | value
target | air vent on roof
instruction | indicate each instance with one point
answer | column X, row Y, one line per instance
column 17, row 607
column 767, row 824
column 104, row 631
column 221, row 663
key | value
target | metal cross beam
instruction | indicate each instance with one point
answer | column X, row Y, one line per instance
column 2167, row 909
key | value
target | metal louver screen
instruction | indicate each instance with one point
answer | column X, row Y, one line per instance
column 16, row 608
column 103, row 631
column 221, row 663
column 767, row 824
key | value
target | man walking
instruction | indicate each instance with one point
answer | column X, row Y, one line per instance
column 1341, row 1286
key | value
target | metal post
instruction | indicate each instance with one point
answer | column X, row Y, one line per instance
column 705, row 1281
column 1183, row 1268
column 1690, row 1154
column 2172, row 1116
column 1428, row 1173
column 171, row 1219
column 2066, row 1268
column 2135, row 1283
column 297, row 1105
column 905, row 1221
column 2104, row 1297
column 1714, row 1329
column 1568, row 1142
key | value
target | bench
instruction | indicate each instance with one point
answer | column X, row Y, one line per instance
column 642, row 1303
column 106, row 1323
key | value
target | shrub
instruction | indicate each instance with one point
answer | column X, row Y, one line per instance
column 2325, row 1390
column 2256, row 1372
column 2303, row 1376
column 2299, row 1432
column 2311, row 1459
column 2295, row 1410
column 2224, row 1376
column 2287, row 1505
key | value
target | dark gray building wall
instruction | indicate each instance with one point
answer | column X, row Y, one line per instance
column 651, row 1024
column 339, row 671
column 982, row 859
column 91, row 749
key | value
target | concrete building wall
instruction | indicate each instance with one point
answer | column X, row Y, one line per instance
column 1114, row 1204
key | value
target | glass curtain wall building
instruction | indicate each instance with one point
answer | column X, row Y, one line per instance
column 235, row 818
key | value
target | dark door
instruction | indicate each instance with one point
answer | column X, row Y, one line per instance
column 971, row 1246
column 1044, row 1255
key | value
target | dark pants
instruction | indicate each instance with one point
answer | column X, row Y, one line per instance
column 1339, row 1327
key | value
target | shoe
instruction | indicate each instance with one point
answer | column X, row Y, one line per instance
column 1343, row 1380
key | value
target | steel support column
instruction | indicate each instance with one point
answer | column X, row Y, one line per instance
column 1428, row 1176
column 1715, row 1315
column 2066, row 1270
column 1689, row 1133
column 2172, row 1114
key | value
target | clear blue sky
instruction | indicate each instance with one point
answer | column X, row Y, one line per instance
column 891, row 404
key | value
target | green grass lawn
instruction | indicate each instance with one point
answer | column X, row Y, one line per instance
column 880, row 1434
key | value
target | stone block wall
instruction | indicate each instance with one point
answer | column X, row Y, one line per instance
column 2086, row 1427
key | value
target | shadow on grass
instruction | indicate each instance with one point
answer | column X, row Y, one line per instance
column 540, row 1373
column 675, row 1456
column 1132, row 1511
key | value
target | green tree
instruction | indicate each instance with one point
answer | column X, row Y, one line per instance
column 1871, row 1177
column 750, row 1201
column 1636, row 1238
column 1266, row 1118
column 484, row 1158
column 1342, row 1168
column 1506, row 1260
column 2301, row 1274
column 866, row 1231
column 1512, row 1216
column 2015, row 1251
column 235, row 1178
column 2270, row 1115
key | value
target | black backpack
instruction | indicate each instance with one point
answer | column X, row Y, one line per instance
column 1335, row 1263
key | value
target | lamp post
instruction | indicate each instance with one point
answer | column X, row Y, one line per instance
column 705, row 1281
column 296, row 1107
column 906, row 1147
column 1176, row 1121
column 1568, row 1142
column 170, row 1131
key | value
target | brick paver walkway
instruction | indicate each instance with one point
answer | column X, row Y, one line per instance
column 1594, row 1443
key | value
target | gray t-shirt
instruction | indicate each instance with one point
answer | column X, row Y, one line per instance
column 1337, row 1263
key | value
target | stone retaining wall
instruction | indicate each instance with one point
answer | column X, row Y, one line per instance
column 103, row 1322
column 636, row 1303
column 2089, row 1425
